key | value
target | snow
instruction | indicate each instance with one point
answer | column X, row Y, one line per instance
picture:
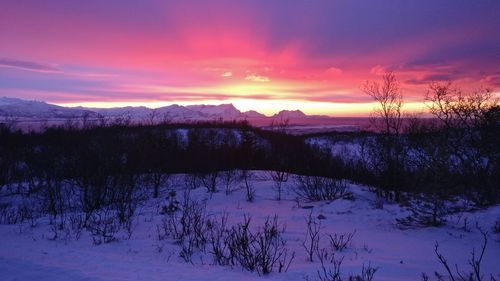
column 13, row 107
column 348, row 150
column 28, row 253
column 137, row 112
column 224, row 111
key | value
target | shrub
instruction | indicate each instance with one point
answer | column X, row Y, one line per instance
column 103, row 225
column 340, row 242
column 311, row 241
column 496, row 226
column 313, row 188
column 261, row 251
column 474, row 274
column 189, row 223
column 426, row 212
column 334, row 271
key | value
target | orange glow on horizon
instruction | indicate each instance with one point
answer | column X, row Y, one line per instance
column 268, row 107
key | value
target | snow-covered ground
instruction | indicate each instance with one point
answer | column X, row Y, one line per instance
column 28, row 253
column 349, row 150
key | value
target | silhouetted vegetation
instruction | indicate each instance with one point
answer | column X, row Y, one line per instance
column 100, row 165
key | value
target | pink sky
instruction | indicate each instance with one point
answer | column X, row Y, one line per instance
column 262, row 55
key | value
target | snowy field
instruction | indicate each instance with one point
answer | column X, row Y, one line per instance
column 29, row 253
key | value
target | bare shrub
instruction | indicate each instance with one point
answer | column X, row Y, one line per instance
column 229, row 178
column 331, row 270
column 333, row 273
column 272, row 247
column 157, row 178
column 426, row 212
column 190, row 221
column 193, row 181
column 187, row 247
column 29, row 209
column 218, row 240
column 342, row 241
column 314, row 188
column 210, row 181
column 311, row 241
column 188, row 227
column 54, row 199
column 103, row 225
column 59, row 231
column 367, row 274
column 77, row 223
column 8, row 214
column 496, row 226
column 473, row 274
column 172, row 204
column 279, row 178
column 71, row 227
column 246, row 177
column 261, row 251
column 126, row 197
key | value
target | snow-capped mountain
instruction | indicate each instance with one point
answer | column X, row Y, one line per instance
column 217, row 111
column 138, row 112
column 39, row 110
column 19, row 108
column 178, row 112
column 26, row 109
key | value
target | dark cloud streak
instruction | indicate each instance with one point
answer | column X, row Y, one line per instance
column 29, row 66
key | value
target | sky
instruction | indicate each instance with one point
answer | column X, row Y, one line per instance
column 265, row 55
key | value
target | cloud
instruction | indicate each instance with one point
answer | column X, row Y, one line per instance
column 334, row 71
column 257, row 78
column 378, row 70
column 434, row 77
column 227, row 74
column 493, row 80
column 29, row 66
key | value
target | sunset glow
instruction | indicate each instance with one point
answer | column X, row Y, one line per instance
column 258, row 55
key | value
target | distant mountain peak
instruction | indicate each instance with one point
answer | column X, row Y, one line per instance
column 253, row 114
column 225, row 111
column 290, row 114
column 228, row 106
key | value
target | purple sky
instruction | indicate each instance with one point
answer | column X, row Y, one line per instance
column 257, row 54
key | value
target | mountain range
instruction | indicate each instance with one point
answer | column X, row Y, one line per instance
column 39, row 110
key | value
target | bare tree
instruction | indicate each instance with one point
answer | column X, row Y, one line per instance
column 279, row 178
column 387, row 151
column 389, row 97
column 247, row 176
column 210, row 180
column 152, row 116
column 457, row 109
column 229, row 177
column 468, row 131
